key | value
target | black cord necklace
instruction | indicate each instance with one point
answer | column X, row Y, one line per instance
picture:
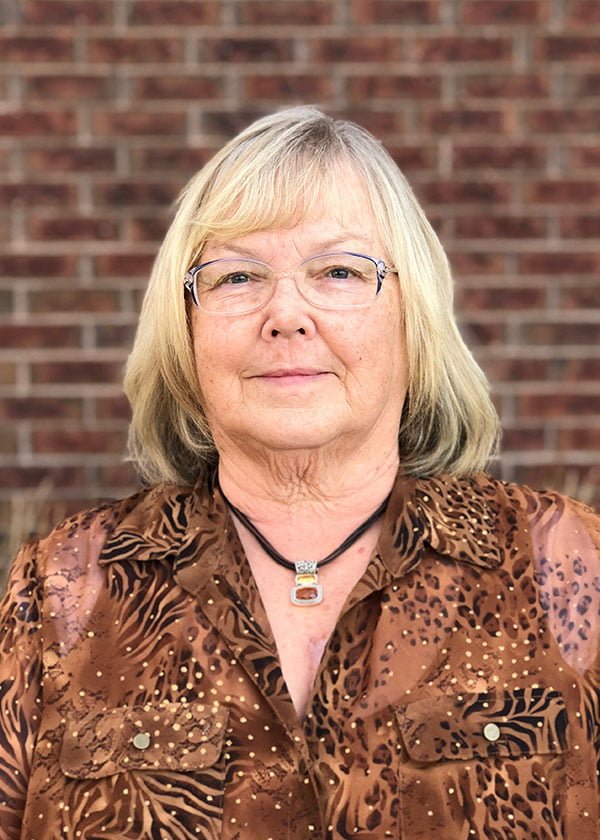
column 307, row 591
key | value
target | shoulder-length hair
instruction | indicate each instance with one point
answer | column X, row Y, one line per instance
column 263, row 178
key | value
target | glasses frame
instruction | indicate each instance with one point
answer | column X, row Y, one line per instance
column 190, row 281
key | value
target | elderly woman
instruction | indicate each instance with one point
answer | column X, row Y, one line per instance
column 321, row 619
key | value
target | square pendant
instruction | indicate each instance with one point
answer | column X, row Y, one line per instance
column 307, row 594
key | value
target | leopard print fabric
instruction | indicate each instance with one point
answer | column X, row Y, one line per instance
column 458, row 698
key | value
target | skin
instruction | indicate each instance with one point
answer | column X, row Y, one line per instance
column 304, row 405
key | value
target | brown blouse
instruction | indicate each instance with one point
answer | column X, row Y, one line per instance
column 141, row 694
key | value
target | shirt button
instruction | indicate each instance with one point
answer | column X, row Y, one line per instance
column 491, row 732
column 141, row 741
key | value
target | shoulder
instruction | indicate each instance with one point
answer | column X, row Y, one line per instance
column 85, row 534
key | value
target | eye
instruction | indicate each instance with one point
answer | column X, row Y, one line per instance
column 340, row 273
column 235, row 278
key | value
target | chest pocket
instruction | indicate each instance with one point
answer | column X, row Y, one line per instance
column 465, row 726
column 170, row 736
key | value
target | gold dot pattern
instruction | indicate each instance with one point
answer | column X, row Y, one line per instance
column 141, row 693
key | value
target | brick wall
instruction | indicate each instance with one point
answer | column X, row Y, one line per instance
column 108, row 106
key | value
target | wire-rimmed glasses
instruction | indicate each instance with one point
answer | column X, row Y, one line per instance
column 336, row 280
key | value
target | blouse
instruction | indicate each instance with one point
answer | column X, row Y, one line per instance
column 458, row 697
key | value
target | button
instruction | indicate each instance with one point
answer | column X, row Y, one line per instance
column 491, row 732
column 141, row 741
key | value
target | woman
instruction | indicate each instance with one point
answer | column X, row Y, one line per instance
column 321, row 619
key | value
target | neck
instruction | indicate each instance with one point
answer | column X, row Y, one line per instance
column 307, row 487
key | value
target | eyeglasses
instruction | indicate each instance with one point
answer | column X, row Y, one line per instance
column 339, row 280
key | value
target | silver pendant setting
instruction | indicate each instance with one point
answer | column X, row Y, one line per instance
column 306, row 592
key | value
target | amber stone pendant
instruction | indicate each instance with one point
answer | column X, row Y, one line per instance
column 307, row 592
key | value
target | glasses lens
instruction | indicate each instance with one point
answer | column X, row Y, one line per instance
column 233, row 286
column 339, row 280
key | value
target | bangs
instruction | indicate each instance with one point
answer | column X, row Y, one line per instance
column 278, row 194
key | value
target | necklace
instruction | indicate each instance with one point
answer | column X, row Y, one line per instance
column 307, row 591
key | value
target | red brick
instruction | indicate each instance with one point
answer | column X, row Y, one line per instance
column 456, row 48
column 585, row 157
column 559, row 263
column 582, row 12
column 522, row 439
column 477, row 263
column 558, row 333
column 482, row 333
column 395, row 11
column 167, row 13
column 384, row 86
column 21, row 477
column 471, row 299
column 69, row 87
column 571, row 120
column 7, row 301
column 129, row 265
column 73, row 228
column 376, row 48
column 502, row 11
column 585, row 84
column 136, row 50
column 74, row 300
column 115, row 335
column 282, row 87
column 121, row 476
column 33, row 195
column 564, row 192
column 557, row 404
column 81, row 371
column 70, row 159
column 8, row 373
column 171, row 160
column 580, row 227
column 47, row 440
column 37, row 266
column 459, row 120
column 577, row 370
column 32, row 408
column 171, row 87
column 28, row 336
column 506, row 156
column 468, row 192
column 60, row 12
column 413, row 158
column 582, row 437
column 9, row 443
column 130, row 193
column 569, row 48
column 113, row 408
column 500, row 227
column 516, row 370
column 123, row 123
column 581, row 297
column 306, row 13
column 506, row 86
column 44, row 123
column 227, row 123
column 246, row 49
column 29, row 48
column 151, row 229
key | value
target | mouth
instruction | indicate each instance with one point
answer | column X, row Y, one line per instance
column 292, row 375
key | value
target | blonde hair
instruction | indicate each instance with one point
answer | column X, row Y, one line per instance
column 266, row 177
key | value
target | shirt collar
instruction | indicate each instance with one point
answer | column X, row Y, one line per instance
column 456, row 516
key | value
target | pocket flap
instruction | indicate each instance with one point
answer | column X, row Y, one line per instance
column 168, row 736
column 464, row 726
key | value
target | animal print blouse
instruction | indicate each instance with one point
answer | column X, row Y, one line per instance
column 458, row 698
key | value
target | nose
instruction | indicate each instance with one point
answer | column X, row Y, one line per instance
column 287, row 313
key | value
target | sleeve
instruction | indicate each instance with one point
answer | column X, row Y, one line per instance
column 20, row 686
column 566, row 537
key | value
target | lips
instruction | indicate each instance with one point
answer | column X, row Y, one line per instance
column 292, row 372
